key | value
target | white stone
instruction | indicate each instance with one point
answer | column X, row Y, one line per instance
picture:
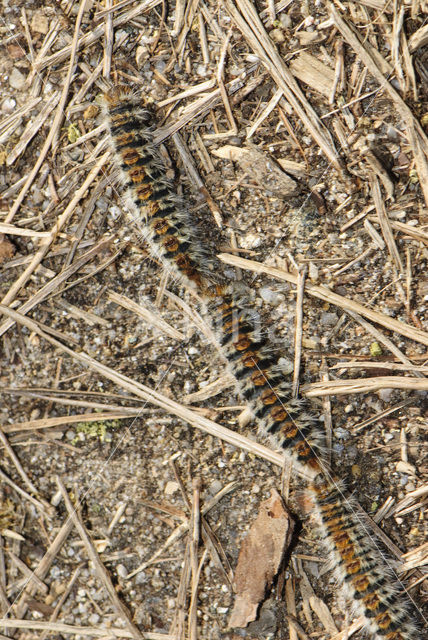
column 16, row 79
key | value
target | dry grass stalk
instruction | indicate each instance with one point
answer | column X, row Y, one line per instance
column 47, row 423
column 195, row 178
column 290, row 601
column 59, row 116
column 313, row 72
column 154, row 319
column 156, row 398
column 108, row 40
column 92, row 319
column 328, row 421
column 364, row 385
column 44, row 61
column 10, row 452
column 184, row 528
column 328, row 296
column 380, row 364
column 42, row 507
column 62, row 599
column 245, row 16
column 12, row 121
column 386, row 342
column 53, row 286
column 298, row 331
column 416, row 558
column 200, row 107
column 265, row 113
column 12, row 230
column 41, row 570
column 349, row 631
column 416, row 499
column 416, row 135
column 384, row 224
column 102, row 572
column 210, row 390
column 414, row 232
column 195, row 532
column 60, row 628
column 38, row 584
column 32, row 128
column 46, row 242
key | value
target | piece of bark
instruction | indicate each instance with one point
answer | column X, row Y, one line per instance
column 260, row 558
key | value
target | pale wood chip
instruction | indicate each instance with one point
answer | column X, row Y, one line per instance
column 313, row 72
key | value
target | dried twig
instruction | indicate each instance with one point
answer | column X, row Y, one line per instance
column 61, row 628
column 100, row 568
column 417, row 137
column 325, row 294
column 248, row 22
column 298, row 329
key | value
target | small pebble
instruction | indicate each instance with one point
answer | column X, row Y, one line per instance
column 385, row 394
column 215, row 487
column 356, row 471
column 141, row 578
column 40, row 23
column 16, row 79
column 171, row 487
column 277, row 36
column 55, row 573
column 342, row 434
column 142, row 55
column 121, row 571
column 251, row 241
column 270, row 296
column 8, row 105
column 328, row 319
column 94, row 618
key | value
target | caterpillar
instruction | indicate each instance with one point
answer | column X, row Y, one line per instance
column 160, row 215
column 260, row 381
column 359, row 566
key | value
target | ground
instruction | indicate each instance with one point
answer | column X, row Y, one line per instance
column 353, row 222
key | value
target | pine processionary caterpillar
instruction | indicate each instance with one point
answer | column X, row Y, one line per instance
column 166, row 225
column 359, row 565
column 150, row 198
column 260, row 381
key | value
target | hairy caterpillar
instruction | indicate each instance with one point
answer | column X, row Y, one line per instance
column 150, row 198
column 359, row 566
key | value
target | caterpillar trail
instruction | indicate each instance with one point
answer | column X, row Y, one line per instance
column 360, row 568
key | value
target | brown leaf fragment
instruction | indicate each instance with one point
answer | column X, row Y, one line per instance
column 260, row 558
column 261, row 168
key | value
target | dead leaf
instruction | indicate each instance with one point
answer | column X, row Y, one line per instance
column 260, row 558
